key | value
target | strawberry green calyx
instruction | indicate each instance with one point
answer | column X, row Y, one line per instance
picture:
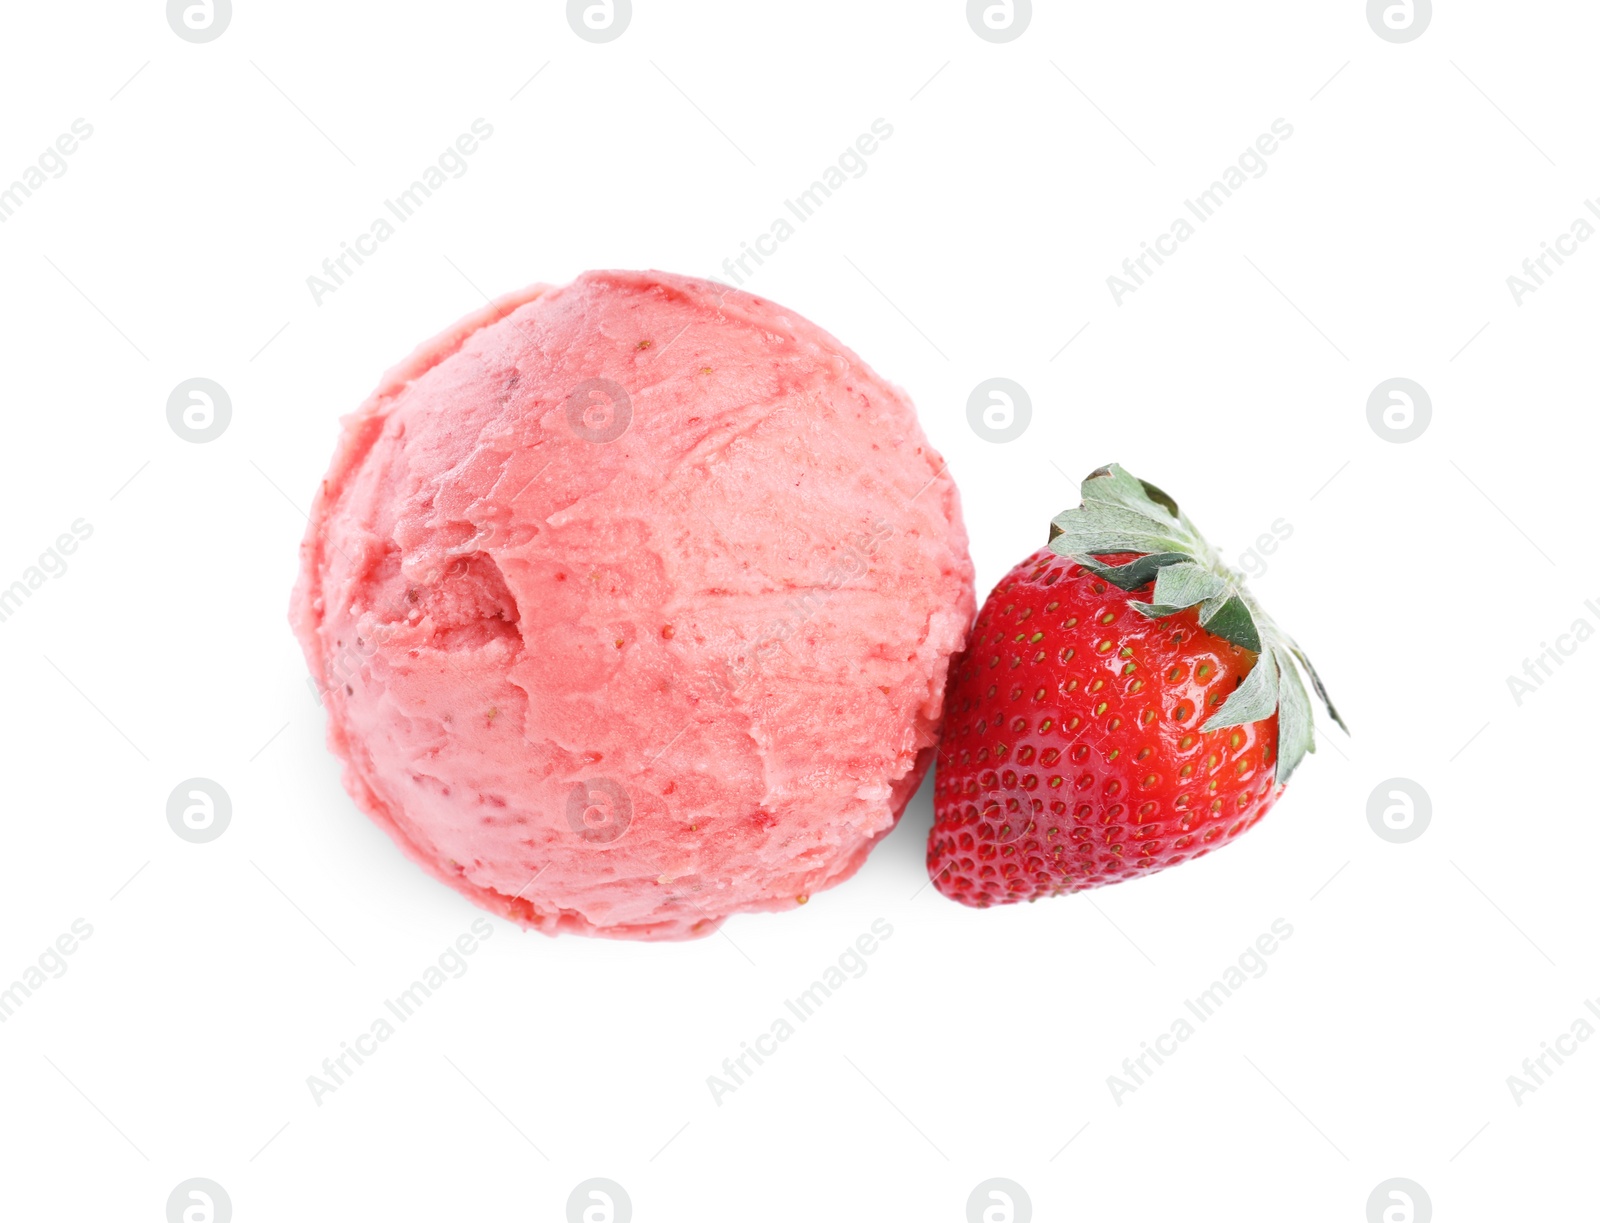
column 1122, row 513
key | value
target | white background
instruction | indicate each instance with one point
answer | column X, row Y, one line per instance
column 978, row 244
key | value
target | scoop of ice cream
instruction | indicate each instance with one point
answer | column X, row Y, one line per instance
column 631, row 603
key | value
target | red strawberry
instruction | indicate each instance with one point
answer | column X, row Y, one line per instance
column 1123, row 705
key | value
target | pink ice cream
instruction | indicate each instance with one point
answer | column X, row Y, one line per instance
column 631, row 603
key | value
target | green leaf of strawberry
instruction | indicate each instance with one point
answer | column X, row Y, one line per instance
column 1121, row 512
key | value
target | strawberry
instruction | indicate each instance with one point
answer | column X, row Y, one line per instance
column 1123, row 705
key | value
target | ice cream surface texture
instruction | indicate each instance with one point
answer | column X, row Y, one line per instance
column 631, row 604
